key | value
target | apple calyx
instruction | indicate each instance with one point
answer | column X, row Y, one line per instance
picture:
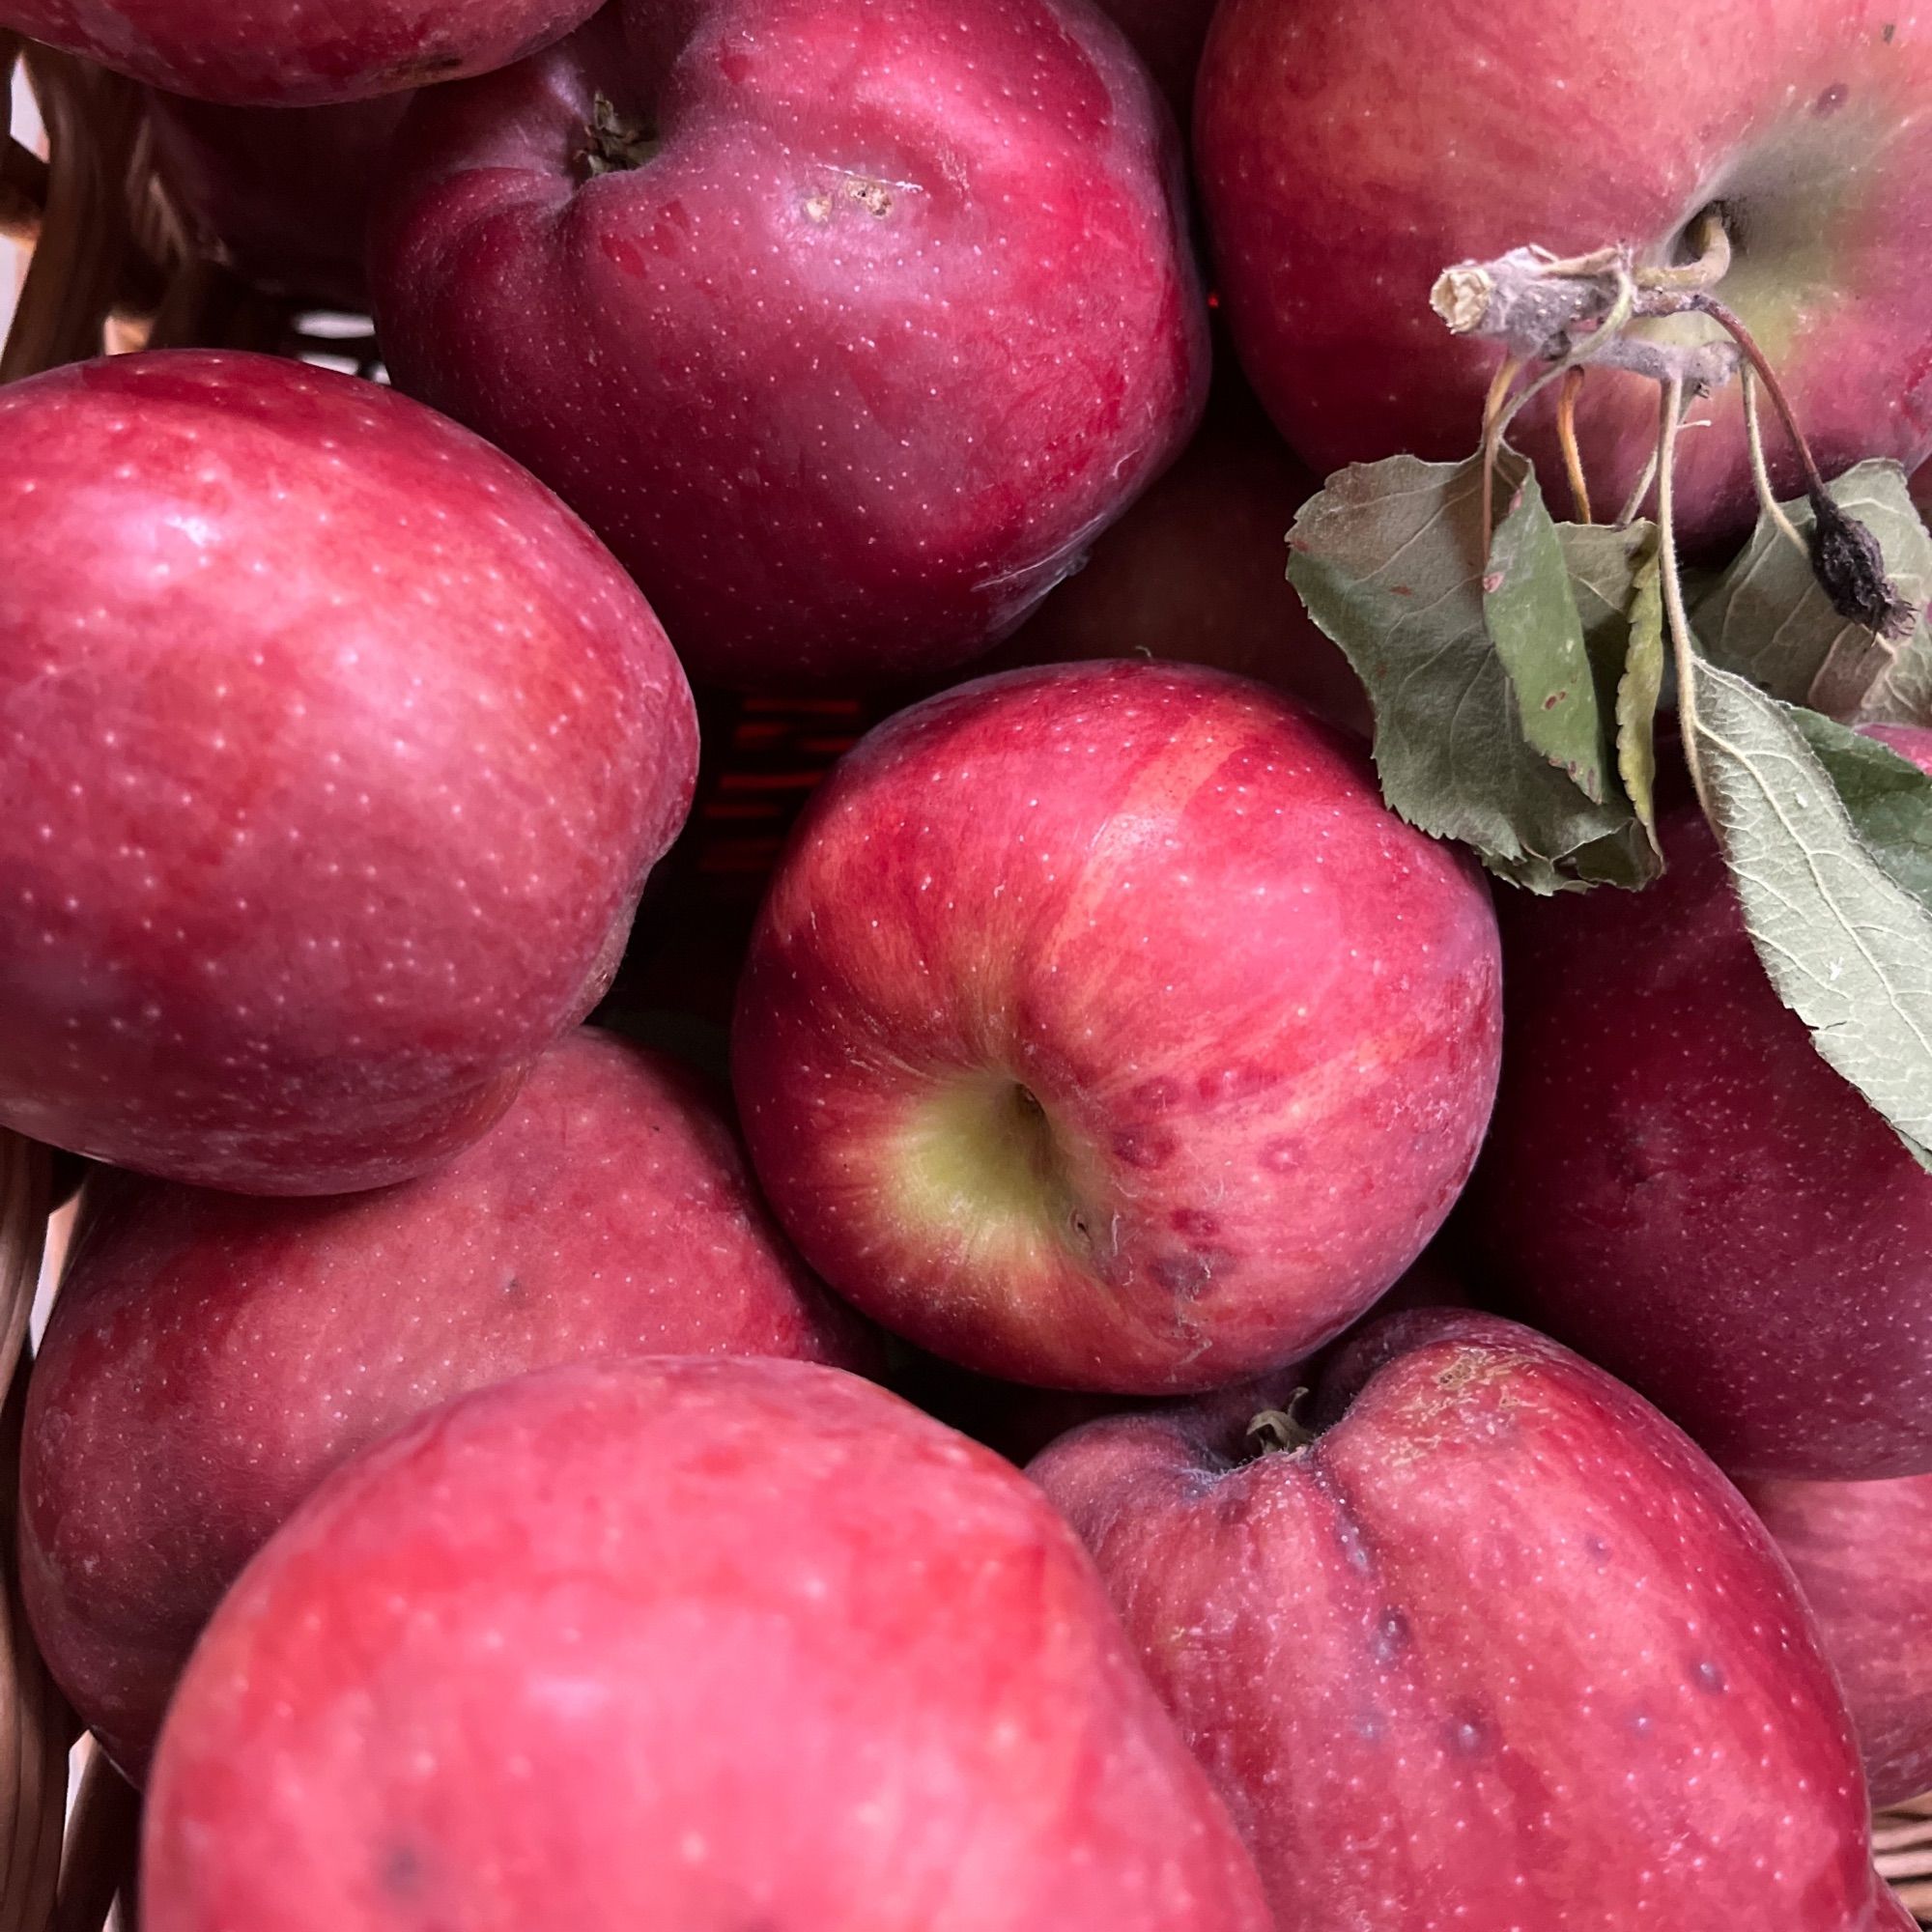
column 614, row 142
column 1275, row 1431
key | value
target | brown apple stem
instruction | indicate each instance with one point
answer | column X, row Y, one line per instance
column 1566, row 437
column 1681, row 649
column 1732, row 324
column 1276, row 1431
column 1760, row 474
column 1495, row 418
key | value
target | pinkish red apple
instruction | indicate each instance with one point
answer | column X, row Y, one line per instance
column 711, row 1645
column 1498, row 1647
column 849, row 325
column 1196, row 572
column 1349, row 149
column 333, row 755
column 1862, row 1555
column 1677, row 1185
column 211, row 1357
column 294, row 55
column 281, row 195
column 1103, row 1029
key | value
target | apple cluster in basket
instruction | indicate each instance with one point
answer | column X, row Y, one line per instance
column 1284, row 1278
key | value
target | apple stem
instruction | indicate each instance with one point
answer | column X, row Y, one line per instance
column 1729, row 320
column 1566, row 437
column 1279, row 1430
column 1495, row 418
column 1760, row 474
column 1683, row 651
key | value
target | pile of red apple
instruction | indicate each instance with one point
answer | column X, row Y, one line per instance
column 473, row 1476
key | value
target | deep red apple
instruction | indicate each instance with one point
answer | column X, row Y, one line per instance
column 1862, row 1554
column 286, row 55
column 212, row 1357
column 1498, row 1648
column 848, row 323
column 1196, row 572
column 1332, row 211
column 711, row 1645
column 333, row 754
column 281, row 195
column 1677, row 1185
column 1103, row 1029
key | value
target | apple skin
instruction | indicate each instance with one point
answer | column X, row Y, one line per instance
column 703, row 1644
column 822, row 371
column 334, row 754
column 1500, row 1648
column 1862, row 1555
column 1196, row 573
column 1168, row 35
column 1679, row 1187
column 211, row 1357
column 1103, row 1029
column 294, row 55
column 1332, row 217
column 281, row 195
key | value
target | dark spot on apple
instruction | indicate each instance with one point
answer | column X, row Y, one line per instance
column 513, row 1289
column 1469, row 1736
column 1195, row 1224
column 1391, row 1636
column 1281, row 1157
column 1885, row 32
column 1144, row 1145
column 402, row 1871
column 1188, row 1275
column 1154, row 1097
column 1598, row 1550
column 1830, row 100
column 1707, row 1676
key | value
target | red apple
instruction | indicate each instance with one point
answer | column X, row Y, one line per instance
column 285, row 55
column 1677, row 1185
column 1498, row 1648
column 1862, row 1554
column 1196, row 572
column 1349, row 149
column 1103, row 1029
column 704, row 1645
column 848, row 323
column 281, row 195
column 212, row 1357
column 333, row 754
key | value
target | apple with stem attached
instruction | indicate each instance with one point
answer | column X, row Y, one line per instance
column 1862, row 1555
column 1103, row 1029
column 848, row 325
column 212, row 1357
column 334, row 753
column 293, row 55
column 1805, row 129
column 712, row 1645
column 1495, row 1645
column 1677, row 1185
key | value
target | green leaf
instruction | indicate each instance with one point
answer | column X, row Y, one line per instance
column 1888, row 799
column 1388, row 560
column 1637, row 693
column 1846, row 945
column 1532, row 621
column 1766, row 619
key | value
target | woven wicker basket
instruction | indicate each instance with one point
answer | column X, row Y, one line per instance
column 109, row 265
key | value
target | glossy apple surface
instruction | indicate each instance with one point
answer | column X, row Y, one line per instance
column 1678, row 1185
column 295, row 53
column 281, row 195
column 848, row 323
column 334, row 754
column 1103, row 1029
column 1196, row 572
column 1500, row 1647
column 1862, row 1555
column 212, row 1357
column 711, row 1645
column 1574, row 127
